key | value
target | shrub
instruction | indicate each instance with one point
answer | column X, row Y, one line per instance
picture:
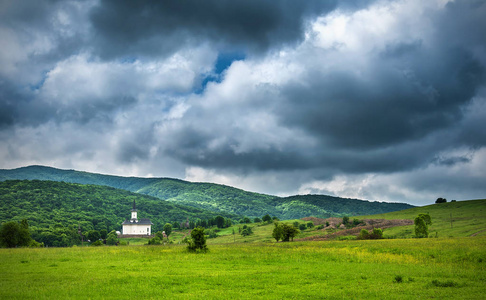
column 310, row 225
column 302, row 226
column 363, row 235
column 320, row 227
column 377, row 233
column 267, row 218
column 447, row 283
column 398, row 279
column 197, row 241
column 155, row 241
column 97, row 243
column 246, row 231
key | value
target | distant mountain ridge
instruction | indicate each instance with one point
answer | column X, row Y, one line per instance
column 213, row 197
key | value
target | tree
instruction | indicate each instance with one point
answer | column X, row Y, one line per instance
column 267, row 218
column 310, row 225
column 302, row 226
column 427, row 219
column 345, row 220
column 421, row 229
column 245, row 220
column 284, row 232
column 112, row 238
column 197, row 241
column 257, row 220
column 441, row 200
column 220, row 221
column 246, row 230
column 103, row 234
column 277, row 233
column 13, row 234
column 93, row 235
column 168, row 229
column 289, row 232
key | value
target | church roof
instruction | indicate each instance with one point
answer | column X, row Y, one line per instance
column 137, row 222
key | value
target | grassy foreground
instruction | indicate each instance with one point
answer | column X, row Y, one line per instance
column 379, row 269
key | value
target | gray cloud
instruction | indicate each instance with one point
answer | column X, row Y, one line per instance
column 384, row 96
column 153, row 28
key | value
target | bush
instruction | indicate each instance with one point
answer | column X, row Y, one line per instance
column 310, row 225
column 97, row 243
column 267, row 218
column 320, row 227
column 212, row 234
column 363, row 235
column 376, row 234
column 246, row 231
column 155, row 241
column 448, row 283
column 197, row 241
column 302, row 226
column 112, row 238
column 398, row 278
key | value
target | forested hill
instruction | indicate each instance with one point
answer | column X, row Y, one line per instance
column 48, row 205
column 214, row 197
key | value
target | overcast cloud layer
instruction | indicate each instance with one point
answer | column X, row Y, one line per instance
column 379, row 100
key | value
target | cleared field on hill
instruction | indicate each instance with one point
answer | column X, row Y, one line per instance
column 452, row 219
column 392, row 269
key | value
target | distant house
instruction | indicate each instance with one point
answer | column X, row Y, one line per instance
column 135, row 226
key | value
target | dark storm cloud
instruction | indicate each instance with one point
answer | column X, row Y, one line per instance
column 397, row 114
column 153, row 28
column 390, row 106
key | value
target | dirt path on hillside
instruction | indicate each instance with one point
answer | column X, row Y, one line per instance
column 369, row 225
column 474, row 234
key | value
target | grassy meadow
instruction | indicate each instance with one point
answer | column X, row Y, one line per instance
column 451, row 219
column 378, row 269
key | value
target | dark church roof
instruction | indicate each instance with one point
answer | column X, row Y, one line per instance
column 137, row 222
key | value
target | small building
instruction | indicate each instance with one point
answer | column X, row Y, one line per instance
column 134, row 226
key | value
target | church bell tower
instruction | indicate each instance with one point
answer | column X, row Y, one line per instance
column 134, row 211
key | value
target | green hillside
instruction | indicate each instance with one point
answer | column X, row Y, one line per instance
column 451, row 219
column 51, row 206
column 214, row 197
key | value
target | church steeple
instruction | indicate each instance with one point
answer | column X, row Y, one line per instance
column 134, row 210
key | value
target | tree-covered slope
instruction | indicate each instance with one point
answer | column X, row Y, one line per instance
column 214, row 197
column 46, row 204
column 323, row 206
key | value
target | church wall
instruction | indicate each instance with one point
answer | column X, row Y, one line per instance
column 137, row 229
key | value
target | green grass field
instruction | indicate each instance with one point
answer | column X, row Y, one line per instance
column 468, row 218
column 424, row 268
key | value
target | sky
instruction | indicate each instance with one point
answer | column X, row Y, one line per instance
column 376, row 100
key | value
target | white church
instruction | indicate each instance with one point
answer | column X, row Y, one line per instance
column 134, row 226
